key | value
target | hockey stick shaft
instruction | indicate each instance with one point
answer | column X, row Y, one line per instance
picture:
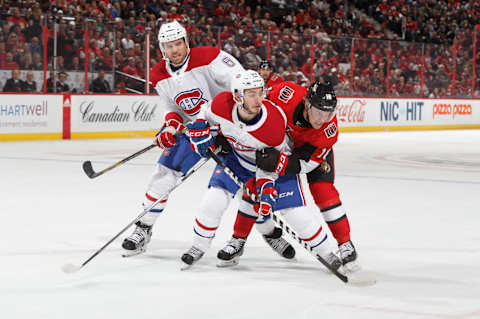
column 276, row 218
column 88, row 169
column 145, row 211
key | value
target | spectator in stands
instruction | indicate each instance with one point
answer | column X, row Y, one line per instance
column 37, row 63
column 75, row 66
column 34, row 29
column 30, row 85
column 35, row 47
column 9, row 64
column 62, row 86
column 16, row 19
column 100, row 85
column 127, row 42
column 14, row 84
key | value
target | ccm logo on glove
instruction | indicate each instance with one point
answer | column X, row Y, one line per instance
column 198, row 133
column 282, row 163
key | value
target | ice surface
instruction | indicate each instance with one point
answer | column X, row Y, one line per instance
column 412, row 197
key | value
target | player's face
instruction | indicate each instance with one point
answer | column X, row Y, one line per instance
column 252, row 99
column 265, row 73
column 318, row 117
column 176, row 51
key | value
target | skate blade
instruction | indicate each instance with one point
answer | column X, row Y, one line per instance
column 228, row 263
column 362, row 278
column 352, row 267
column 185, row 266
column 131, row 253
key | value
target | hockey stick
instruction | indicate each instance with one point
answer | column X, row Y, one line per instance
column 71, row 268
column 88, row 168
column 276, row 217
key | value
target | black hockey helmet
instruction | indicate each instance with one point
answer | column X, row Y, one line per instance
column 264, row 64
column 322, row 96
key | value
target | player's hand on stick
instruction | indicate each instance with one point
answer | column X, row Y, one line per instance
column 271, row 160
column 200, row 136
column 222, row 142
column 165, row 138
column 268, row 196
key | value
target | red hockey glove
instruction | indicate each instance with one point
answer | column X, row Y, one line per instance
column 268, row 196
column 165, row 138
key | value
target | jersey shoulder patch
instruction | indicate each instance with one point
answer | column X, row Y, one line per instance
column 222, row 105
column 159, row 73
column 331, row 130
column 201, row 56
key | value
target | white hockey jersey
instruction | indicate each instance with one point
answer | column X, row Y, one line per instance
column 207, row 72
column 245, row 139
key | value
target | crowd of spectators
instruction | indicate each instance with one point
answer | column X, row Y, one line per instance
column 398, row 46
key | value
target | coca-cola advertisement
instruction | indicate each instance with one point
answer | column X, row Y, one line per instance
column 351, row 111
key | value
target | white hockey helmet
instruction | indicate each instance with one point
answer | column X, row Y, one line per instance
column 171, row 31
column 245, row 80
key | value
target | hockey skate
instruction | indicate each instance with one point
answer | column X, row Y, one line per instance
column 136, row 243
column 231, row 253
column 279, row 244
column 191, row 257
column 348, row 254
column 335, row 262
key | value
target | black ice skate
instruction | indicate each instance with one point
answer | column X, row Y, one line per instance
column 191, row 257
column 231, row 253
column 137, row 242
column 279, row 244
column 348, row 254
column 335, row 262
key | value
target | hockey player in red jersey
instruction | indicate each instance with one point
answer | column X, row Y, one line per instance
column 265, row 68
column 312, row 124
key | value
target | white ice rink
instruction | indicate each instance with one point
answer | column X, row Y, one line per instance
column 413, row 200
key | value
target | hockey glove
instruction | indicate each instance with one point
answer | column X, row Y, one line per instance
column 271, row 160
column 268, row 196
column 221, row 141
column 165, row 137
column 200, row 137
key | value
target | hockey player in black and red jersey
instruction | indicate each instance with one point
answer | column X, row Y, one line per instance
column 265, row 68
column 312, row 124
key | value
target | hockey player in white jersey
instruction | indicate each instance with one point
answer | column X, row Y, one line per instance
column 249, row 123
column 185, row 81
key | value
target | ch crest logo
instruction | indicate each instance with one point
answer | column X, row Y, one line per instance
column 190, row 101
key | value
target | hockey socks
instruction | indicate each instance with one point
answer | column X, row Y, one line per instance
column 243, row 225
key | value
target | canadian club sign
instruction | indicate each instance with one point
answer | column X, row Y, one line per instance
column 139, row 111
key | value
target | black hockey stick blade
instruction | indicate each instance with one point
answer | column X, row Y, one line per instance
column 88, row 169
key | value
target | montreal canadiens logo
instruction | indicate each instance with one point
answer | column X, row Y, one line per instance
column 190, row 101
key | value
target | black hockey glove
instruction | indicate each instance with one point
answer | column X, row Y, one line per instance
column 272, row 160
column 221, row 141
